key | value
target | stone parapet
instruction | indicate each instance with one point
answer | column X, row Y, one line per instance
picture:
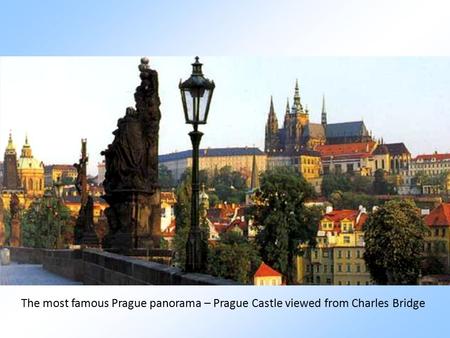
column 97, row 267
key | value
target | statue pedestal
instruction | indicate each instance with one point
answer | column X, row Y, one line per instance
column 2, row 234
column 89, row 239
column 15, row 233
column 134, row 220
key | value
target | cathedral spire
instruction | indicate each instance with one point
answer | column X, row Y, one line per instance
column 254, row 183
column 10, row 147
column 324, row 111
column 272, row 116
column 297, row 106
column 287, row 106
column 26, row 149
column 272, row 110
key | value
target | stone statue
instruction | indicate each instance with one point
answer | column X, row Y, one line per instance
column 84, row 232
column 14, row 208
column 2, row 224
column 131, row 163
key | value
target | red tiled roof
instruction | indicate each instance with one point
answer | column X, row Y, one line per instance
column 336, row 216
column 346, row 148
column 168, row 196
column 439, row 216
column 429, row 157
column 266, row 271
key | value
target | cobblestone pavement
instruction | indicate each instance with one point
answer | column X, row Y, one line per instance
column 30, row 274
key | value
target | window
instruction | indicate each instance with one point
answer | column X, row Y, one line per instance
column 340, row 283
column 358, row 268
column 325, row 268
column 339, row 267
column 350, row 167
column 325, row 252
column 317, row 268
column 349, row 268
column 339, row 254
column 358, row 283
column 328, row 280
column 358, row 254
column 317, row 279
column 436, row 232
column 307, row 267
column 347, row 239
column 315, row 254
column 349, row 254
column 348, row 283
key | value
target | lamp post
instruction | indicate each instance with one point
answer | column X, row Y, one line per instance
column 196, row 94
column 58, row 188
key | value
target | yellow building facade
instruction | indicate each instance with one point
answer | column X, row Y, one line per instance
column 212, row 159
column 56, row 172
column 437, row 240
column 338, row 256
column 31, row 172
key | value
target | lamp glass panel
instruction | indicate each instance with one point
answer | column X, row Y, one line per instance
column 189, row 105
column 204, row 105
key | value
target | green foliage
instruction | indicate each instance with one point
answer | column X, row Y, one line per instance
column 233, row 257
column 44, row 222
column 380, row 185
column 229, row 185
column 286, row 222
column 422, row 178
column 166, row 180
column 432, row 265
column 183, row 220
column 346, row 183
column 350, row 200
column 335, row 182
column 394, row 237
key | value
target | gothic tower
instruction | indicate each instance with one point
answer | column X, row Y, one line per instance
column 324, row 112
column 272, row 135
column 10, row 176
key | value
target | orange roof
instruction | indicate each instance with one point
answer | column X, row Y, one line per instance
column 168, row 197
column 336, row 216
column 437, row 157
column 346, row 148
column 266, row 271
column 439, row 216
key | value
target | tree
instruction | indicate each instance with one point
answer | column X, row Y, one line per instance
column 45, row 222
column 286, row 222
column 233, row 257
column 335, row 182
column 183, row 220
column 394, row 238
column 351, row 200
column 166, row 180
column 380, row 185
column 229, row 185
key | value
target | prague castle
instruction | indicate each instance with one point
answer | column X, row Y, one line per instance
column 298, row 132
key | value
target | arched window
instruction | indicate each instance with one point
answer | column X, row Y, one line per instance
column 30, row 184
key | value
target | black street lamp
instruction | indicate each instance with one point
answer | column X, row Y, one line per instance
column 196, row 94
column 58, row 189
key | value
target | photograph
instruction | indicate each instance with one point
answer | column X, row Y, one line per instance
column 192, row 170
